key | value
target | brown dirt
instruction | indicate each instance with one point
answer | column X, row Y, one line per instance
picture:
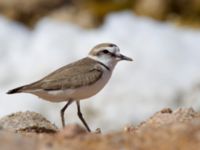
column 166, row 130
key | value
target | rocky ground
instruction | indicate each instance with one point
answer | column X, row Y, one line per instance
column 91, row 13
column 165, row 130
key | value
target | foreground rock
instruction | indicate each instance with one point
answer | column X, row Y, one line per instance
column 27, row 122
column 166, row 130
column 168, row 117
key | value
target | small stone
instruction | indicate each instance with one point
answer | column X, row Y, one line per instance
column 97, row 131
column 129, row 128
column 166, row 110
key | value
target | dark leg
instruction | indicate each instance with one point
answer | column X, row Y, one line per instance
column 62, row 111
column 81, row 116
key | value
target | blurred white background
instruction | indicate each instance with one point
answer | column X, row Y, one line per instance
column 165, row 71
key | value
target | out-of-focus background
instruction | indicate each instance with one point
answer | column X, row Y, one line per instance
column 162, row 36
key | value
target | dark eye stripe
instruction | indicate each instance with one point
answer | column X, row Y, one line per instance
column 105, row 51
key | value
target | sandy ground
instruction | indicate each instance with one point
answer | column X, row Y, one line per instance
column 165, row 130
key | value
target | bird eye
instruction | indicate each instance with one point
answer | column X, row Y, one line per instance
column 105, row 51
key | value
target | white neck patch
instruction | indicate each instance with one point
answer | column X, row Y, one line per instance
column 105, row 60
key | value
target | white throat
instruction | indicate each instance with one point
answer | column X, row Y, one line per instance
column 110, row 63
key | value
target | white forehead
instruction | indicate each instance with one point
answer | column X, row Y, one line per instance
column 113, row 49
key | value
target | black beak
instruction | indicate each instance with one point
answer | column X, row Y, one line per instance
column 122, row 57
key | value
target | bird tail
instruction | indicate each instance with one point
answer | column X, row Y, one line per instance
column 16, row 90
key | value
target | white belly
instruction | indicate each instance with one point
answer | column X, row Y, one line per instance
column 75, row 94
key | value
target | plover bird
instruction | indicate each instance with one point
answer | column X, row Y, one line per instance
column 79, row 80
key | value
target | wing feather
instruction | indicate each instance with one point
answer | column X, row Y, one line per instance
column 81, row 73
column 77, row 79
